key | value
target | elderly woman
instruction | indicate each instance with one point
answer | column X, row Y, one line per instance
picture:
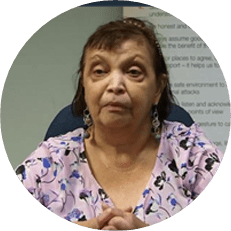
column 130, row 168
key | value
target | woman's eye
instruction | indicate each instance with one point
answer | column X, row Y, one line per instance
column 135, row 72
column 99, row 72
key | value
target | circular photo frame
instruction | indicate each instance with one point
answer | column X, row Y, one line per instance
column 43, row 77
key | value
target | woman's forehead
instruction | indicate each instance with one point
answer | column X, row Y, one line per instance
column 129, row 47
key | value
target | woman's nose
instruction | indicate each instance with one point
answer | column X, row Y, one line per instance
column 116, row 83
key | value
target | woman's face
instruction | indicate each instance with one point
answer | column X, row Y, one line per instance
column 120, row 85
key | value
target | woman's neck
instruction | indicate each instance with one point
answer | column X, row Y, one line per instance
column 122, row 148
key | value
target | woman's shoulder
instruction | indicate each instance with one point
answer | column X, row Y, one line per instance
column 54, row 153
column 53, row 166
column 57, row 147
column 64, row 143
column 178, row 128
column 187, row 138
column 193, row 156
column 71, row 137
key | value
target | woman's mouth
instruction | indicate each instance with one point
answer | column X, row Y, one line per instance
column 115, row 107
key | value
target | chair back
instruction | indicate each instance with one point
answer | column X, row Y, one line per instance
column 65, row 122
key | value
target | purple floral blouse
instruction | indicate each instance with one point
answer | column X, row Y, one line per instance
column 57, row 174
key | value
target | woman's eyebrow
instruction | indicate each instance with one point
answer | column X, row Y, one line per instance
column 95, row 60
column 135, row 59
column 97, row 57
column 139, row 56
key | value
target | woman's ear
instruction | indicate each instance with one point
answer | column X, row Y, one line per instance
column 161, row 84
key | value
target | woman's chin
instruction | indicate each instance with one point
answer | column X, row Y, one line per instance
column 116, row 122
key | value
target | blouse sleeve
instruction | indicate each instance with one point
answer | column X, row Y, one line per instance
column 203, row 161
column 35, row 169
column 49, row 171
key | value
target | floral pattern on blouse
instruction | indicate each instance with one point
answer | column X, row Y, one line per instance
column 58, row 175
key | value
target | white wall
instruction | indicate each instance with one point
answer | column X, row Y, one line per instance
column 40, row 81
column 195, row 75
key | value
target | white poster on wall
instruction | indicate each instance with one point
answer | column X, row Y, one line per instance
column 196, row 78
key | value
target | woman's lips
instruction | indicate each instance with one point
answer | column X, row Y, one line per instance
column 115, row 107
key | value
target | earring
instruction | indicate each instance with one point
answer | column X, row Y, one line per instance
column 155, row 122
column 87, row 121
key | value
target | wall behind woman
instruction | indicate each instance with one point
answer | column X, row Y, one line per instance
column 196, row 78
column 41, row 80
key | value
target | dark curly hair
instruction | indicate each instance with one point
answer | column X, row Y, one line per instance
column 112, row 35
